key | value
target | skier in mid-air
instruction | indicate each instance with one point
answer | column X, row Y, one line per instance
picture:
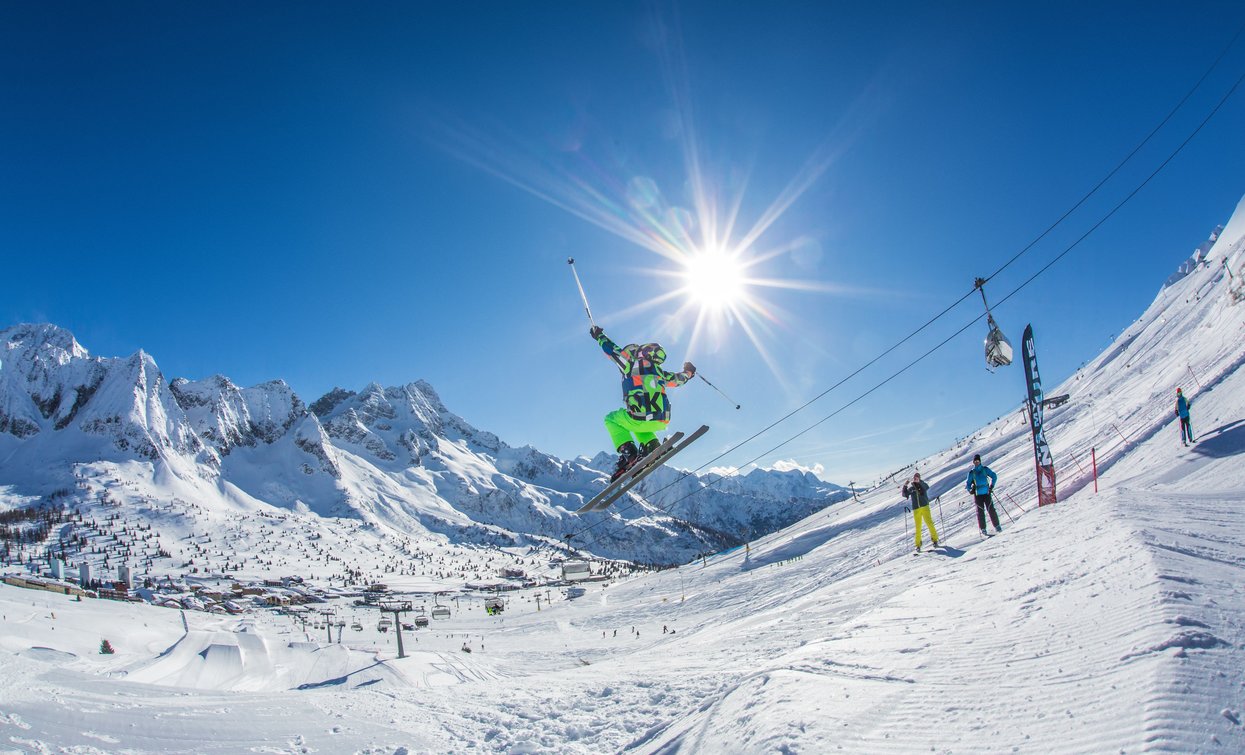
column 646, row 411
column 1182, row 411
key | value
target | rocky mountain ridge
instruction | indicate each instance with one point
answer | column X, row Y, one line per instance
column 395, row 457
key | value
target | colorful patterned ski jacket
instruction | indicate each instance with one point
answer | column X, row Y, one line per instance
column 644, row 382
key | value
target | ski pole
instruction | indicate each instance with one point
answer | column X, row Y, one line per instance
column 719, row 390
column 571, row 261
column 906, row 511
column 1005, row 511
column 941, row 518
column 1016, row 503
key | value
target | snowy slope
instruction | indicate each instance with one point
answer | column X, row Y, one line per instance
column 1110, row 621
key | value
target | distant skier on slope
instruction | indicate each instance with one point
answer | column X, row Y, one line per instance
column 980, row 485
column 1182, row 411
column 647, row 409
column 917, row 491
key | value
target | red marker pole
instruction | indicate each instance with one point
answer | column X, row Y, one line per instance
column 1093, row 455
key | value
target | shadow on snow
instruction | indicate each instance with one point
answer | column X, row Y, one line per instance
column 1222, row 442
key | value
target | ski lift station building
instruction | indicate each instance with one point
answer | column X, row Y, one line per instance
column 574, row 571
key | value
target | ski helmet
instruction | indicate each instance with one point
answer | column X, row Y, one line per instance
column 1177, row 390
column 653, row 352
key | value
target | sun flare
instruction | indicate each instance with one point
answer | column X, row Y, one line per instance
column 715, row 279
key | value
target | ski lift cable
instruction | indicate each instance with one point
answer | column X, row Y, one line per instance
column 1214, row 64
column 978, row 285
column 1012, row 293
column 1236, row 85
column 1223, row 100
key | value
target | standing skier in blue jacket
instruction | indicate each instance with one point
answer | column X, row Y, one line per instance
column 1182, row 411
column 980, row 485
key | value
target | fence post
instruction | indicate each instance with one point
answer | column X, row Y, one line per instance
column 1093, row 455
column 1199, row 383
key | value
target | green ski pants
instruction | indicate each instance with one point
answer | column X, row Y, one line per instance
column 621, row 426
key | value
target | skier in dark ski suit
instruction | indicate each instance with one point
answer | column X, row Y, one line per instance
column 1182, row 411
column 980, row 485
column 644, row 384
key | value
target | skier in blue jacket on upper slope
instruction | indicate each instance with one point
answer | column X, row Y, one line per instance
column 1182, row 411
column 980, row 485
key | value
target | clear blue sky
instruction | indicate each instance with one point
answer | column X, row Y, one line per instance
column 334, row 194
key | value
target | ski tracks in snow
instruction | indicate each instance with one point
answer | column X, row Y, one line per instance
column 1063, row 643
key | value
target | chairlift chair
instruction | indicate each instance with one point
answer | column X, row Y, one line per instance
column 998, row 349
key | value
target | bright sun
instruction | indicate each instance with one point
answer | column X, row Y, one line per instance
column 714, row 279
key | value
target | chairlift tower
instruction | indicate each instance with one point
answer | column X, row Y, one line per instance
column 329, row 614
column 397, row 608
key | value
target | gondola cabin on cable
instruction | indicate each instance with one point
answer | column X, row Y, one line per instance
column 573, row 571
column 440, row 612
column 998, row 348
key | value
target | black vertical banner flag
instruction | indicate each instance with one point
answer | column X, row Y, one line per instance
column 1041, row 450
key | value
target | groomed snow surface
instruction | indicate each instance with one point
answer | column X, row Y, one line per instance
column 1109, row 622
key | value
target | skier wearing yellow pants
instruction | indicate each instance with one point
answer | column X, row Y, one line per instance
column 917, row 491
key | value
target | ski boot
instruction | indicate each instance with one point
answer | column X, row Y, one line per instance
column 628, row 455
column 649, row 447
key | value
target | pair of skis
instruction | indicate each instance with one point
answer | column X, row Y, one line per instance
column 643, row 468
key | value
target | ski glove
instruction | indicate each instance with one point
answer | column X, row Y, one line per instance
column 595, row 331
column 689, row 368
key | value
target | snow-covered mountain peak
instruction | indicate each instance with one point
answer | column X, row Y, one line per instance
column 227, row 416
column 34, row 342
column 394, row 456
